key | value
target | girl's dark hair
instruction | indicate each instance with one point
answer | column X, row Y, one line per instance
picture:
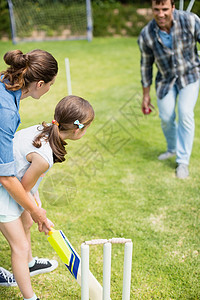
column 67, row 111
column 26, row 68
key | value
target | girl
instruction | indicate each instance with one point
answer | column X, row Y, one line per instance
column 36, row 149
column 29, row 74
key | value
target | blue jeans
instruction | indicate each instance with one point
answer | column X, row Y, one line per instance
column 179, row 137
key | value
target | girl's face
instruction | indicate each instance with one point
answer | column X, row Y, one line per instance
column 37, row 89
column 74, row 134
column 80, row 132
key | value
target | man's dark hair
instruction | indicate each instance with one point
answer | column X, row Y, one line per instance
column 163, row 1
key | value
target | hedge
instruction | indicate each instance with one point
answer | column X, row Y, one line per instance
column 110, row 17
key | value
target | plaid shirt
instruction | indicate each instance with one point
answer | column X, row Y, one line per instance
column 179, row 65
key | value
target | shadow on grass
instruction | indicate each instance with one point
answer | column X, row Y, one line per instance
column 150, row 153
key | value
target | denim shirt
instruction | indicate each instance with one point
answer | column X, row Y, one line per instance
column 179, row 65
column 9, row 122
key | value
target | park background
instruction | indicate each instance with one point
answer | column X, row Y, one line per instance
column 112, row 184
column 110, row 17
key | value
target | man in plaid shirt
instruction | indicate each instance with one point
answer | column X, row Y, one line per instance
column 169, row 41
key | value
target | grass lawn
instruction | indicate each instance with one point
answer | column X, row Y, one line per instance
column 112, row 184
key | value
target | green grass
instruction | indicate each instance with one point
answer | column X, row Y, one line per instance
column 112, row 184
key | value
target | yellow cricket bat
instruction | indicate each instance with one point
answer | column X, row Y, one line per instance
column 72, row 261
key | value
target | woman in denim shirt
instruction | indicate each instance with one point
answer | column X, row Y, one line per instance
column 29, row 74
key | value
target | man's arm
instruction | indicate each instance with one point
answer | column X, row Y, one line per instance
column 146, row 100
column 146, row 61
column 197, row 28
column 146, row 68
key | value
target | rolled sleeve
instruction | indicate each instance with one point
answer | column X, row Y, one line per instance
column 7, row 164
column 146, row 63
column 8, row 169
column 7, row 130
column 197, row 28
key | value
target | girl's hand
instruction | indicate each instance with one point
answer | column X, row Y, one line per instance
column 45, row 229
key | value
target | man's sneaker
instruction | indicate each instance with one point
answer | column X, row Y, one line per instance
column 6, row 278
column 166, row 155
column 182, row 171
column 43, row 265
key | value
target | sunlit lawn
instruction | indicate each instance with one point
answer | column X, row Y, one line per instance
column 112, row 184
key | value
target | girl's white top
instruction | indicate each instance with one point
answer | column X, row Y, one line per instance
column 22, row 146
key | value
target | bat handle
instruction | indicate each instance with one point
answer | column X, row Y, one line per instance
column 51, row 231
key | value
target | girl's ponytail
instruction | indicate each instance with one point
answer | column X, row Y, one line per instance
column 57, row 144
column 51, row 134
